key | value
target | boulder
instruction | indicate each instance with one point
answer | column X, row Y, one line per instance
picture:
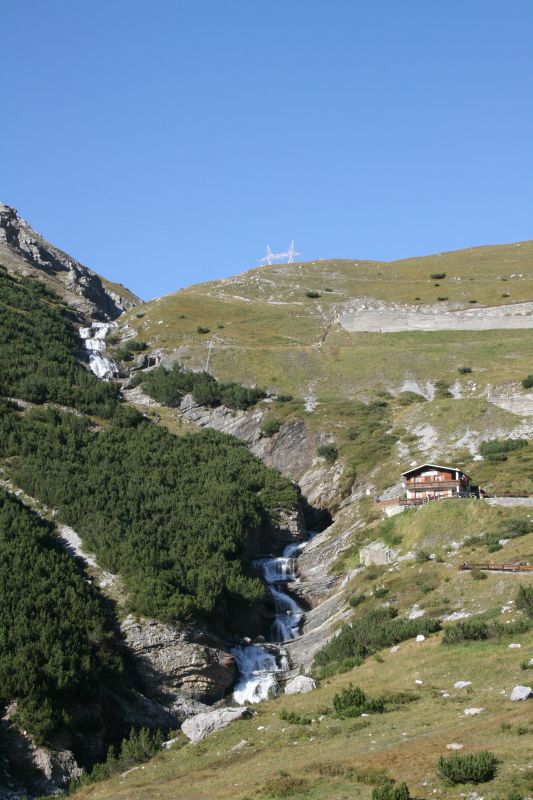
column 515, row 646
column 202, row 725
column 299, row 685
column 462, row 684
column 473, row 712
column 420, row 638
column 521, row 693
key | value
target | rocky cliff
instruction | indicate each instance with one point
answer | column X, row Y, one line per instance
column 23, row 251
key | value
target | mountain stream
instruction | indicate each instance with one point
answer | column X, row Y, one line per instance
column 94, row 342
column 259, row 664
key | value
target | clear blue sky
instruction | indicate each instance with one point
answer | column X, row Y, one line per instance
column 167, row 142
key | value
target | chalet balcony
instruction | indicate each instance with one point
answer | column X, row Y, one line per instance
column 436, row 486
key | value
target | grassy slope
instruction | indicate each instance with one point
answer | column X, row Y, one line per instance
column 407, row 742
column 266, row 331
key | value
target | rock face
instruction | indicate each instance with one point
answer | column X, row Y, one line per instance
column 300, row 685
column 292, row 451
column 197, row 728
column 179, row 667
column 24, row 251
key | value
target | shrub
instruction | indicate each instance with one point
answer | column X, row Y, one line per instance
column 391, row 791
column 356, row 600
column 369, row 633
column 527, row 382
column 470, row 768
column 472, row 301
column 312, row 294
column 478, row 574
column 270, row 426
column 138, row 748
column 442, row 390
column 328, row 452
column 442, row 299
column 284, row 785
column 284, row 398
column 407, row 398
column 466, row 630
column 422, row 556
column 505, row 294
column 200, row 329
column 497, row 447
column 464, row 370
column 380, row 591
column 438, row 276
column 524, row 600
column 352, row 702
column 294, row 718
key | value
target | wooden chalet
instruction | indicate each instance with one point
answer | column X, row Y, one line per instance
column 435, row 482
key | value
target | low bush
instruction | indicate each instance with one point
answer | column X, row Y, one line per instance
column 294, row 718
column 312, row 295
column 442, row 299
column 497, row 447
column 356, row 600
column 464, row 370
column 352, row 702
column 270, row 426
column 366, row 635
column 137, row 749
column 470, row 630
column 442, row 390
column 380, row 591
column 470, row 768
column 478, row 574
column 284, row 785
column 422, row 556
column 408, row 398
column 527, row 382
column 391, row 791
column 524, row 600
column 328, row 452
column 438, row 276
column 201, row 330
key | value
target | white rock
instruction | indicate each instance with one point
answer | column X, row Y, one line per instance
column 420, row 638
column 515, row 646
column 239, row 745
column 473, row 712
column 454, row 746
column 462, row 684
column 530, row 662
column 395, row 649
column 419, row 683
column 299, row 685
column 198, row 727
column 521, row 693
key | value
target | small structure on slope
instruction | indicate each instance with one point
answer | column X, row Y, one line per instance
column 435, row 482
column 377, row 554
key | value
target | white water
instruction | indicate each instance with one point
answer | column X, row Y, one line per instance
column 94, row 342
column 257, row 665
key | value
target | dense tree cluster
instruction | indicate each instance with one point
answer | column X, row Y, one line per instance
column 55, row 645
column 38, row 356
column 168, row 386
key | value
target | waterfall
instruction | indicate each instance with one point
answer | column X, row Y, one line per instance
column 94, row 342
column 257, row 664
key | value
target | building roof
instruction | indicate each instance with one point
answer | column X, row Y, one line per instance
column 433, row 466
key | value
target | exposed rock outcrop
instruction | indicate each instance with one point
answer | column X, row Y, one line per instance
column 197, row 728
column 23, row 251
column 179, row 667
column 300, row 685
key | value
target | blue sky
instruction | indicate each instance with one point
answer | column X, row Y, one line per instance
column 167, row 143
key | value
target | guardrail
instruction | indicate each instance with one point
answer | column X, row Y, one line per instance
column 497, row 567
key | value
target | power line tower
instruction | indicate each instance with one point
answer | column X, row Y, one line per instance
column 287, row 256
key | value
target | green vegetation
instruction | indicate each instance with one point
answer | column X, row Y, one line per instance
column 172, row 515
column 293, row 717
column 312, row 294
column 464, row 370
column 168, row 386
column 202, row 330
column 527, row 382
column 470, row 768
column 127, row 351
column 38, row 356
column 391, row 791
column 138, row 748
column 352, row 702
column 366, row 635
column 408, row 398
column 56, row 646
column 524, row 600
column 438, row 276
column 497, row 449
column 270, row 426
column 472, row 630
column 328, row 452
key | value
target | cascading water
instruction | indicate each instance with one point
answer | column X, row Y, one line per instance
column 94, row 342
column 257, row 663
